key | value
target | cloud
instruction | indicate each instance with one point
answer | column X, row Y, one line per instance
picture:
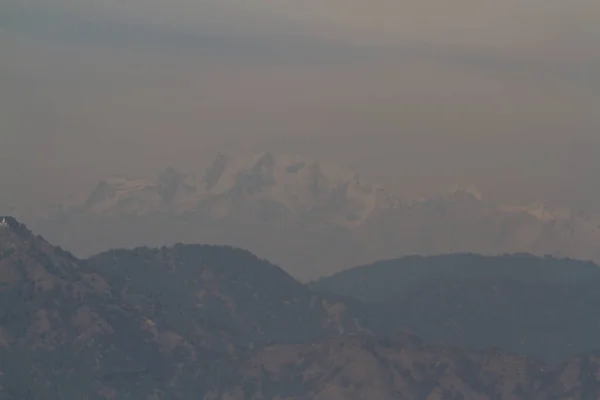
column 509, row 25
column 206, row 38
column 533, row 40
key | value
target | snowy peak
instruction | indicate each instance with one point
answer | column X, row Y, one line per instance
column 124, row 195
column 285, row 184
column 265, row 169
column 541, row 211
column 469, row 190
column 296, row 182
column 288, row 207
column 110, row 193
column 277, row 187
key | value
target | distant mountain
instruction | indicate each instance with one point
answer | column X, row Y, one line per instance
column 213, row 322
column 313, row 218
column 264, row 187
column 545, row 308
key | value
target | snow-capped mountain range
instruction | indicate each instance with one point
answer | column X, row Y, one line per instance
column 292, row 185
column 313, row 218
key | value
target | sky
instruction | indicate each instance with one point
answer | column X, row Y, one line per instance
column 415, row 95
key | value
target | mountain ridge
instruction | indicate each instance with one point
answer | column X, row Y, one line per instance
column 314, row 218
column 544, row 308
column 217, row 323
column 295, row 181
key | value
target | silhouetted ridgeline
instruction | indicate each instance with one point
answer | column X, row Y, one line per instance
column 543, row 307
column 196, row 322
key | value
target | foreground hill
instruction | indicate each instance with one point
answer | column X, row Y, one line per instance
column 61, row 333
column 545, row 308
column 207, row 322
column 219, row 289
column 362, row 367
column 314, row 218
column 142, row 322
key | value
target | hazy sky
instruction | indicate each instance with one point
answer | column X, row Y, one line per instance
column 417, row 95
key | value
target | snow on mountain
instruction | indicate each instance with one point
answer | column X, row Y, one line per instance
column 539, row 210
column 299, row 184
column 470, row 190
column 311, row 217
column 123, row 195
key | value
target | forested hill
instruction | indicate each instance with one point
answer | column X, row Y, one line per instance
column 191, row 322
column 385, row 280
column 545, row 308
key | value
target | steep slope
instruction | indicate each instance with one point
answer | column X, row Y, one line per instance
column 221, row 289
column 545, row 308
column 261, row 187
column 61, row 334
column 170, row 322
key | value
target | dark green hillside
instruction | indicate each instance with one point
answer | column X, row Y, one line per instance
column 217, row 288
column 385, row 280
column 546, row 308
